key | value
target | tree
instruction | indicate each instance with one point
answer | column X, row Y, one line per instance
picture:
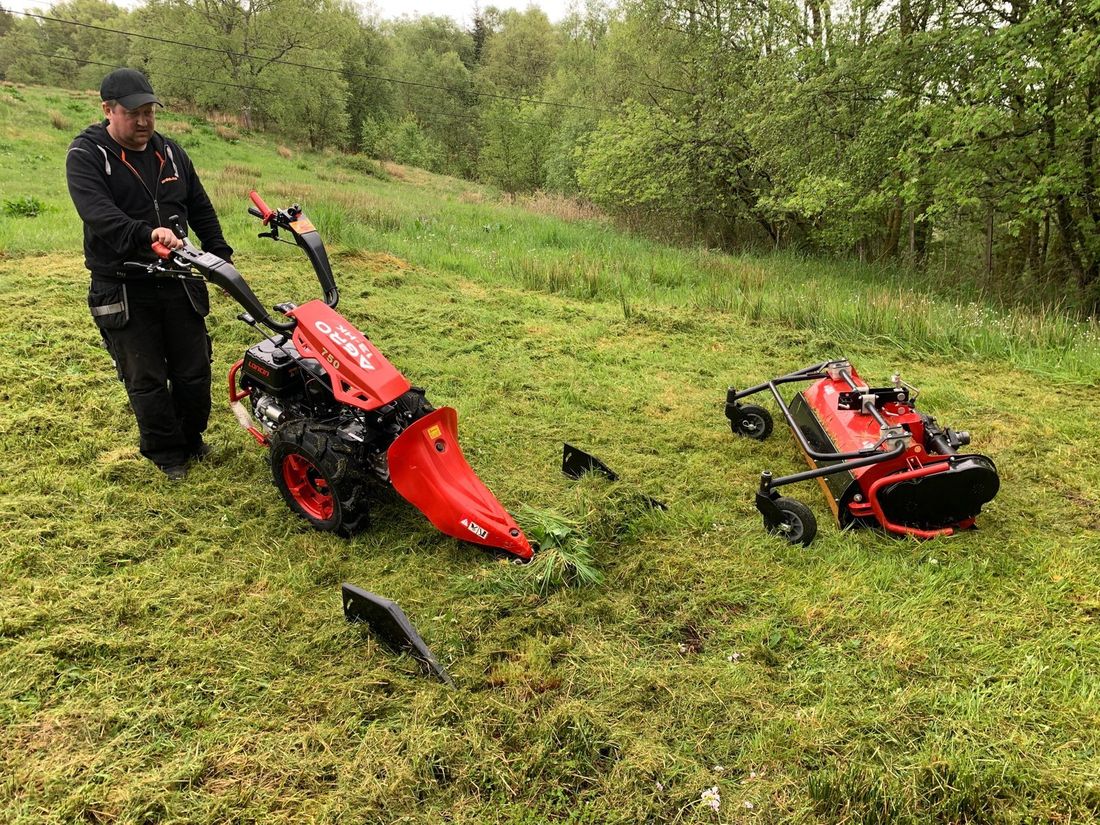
column 52, row 52
column 513, row 146
column 518, row 54
column 433, row 86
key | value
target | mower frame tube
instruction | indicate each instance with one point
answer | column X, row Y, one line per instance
column 236, row 399
column 769, row 483
column 811, row 374
column 805, row 374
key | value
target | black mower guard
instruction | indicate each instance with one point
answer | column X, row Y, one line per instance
column 392, row 626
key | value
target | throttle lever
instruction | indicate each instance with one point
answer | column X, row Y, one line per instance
column 177, row 227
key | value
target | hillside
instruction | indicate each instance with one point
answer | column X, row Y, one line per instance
column 177, row 653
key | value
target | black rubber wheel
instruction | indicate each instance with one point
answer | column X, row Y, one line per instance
column 797, row 525
column 755, row 423
column 317, row 477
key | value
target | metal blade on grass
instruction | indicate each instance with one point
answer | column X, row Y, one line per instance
column 389, row 622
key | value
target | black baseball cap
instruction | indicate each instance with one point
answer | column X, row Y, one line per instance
column 129, row 87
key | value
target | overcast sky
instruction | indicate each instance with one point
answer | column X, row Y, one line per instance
column 460, row 10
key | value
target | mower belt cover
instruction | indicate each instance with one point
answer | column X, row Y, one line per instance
column 428, row 469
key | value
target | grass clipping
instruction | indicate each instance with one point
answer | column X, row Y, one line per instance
column 563, row 559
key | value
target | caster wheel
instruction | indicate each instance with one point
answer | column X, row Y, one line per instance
column 755, row 423
column 796, row 522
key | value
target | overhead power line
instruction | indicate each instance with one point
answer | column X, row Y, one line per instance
column 171, row 76
column 342, row 72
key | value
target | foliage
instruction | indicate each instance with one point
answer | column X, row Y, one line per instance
column 513, row 145
column 563, row 559
column 956, row 140
column 431, row 58
column 405, row 142
column 518, row 53
column 27, row 206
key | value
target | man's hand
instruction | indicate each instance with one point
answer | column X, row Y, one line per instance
column 166, row 236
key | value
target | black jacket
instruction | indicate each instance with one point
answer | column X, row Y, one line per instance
column 120, row 210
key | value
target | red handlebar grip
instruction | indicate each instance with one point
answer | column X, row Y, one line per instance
column 161, row 250
column 266, row 210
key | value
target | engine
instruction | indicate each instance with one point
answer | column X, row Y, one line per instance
column 283, row 386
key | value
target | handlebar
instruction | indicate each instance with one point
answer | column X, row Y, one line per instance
column 305, row 236
column 263, row 211
column 219, row 272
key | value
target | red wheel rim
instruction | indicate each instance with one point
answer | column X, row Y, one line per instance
column 308, row 487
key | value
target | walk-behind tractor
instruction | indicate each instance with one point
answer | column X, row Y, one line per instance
column 878, row 460
column 336, row 414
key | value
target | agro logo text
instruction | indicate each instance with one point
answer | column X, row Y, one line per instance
column 348, row 343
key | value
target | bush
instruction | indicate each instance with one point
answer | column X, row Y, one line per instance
column 404, row 142
column 27, row 206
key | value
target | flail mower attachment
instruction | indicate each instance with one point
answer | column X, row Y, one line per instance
column 878, row 460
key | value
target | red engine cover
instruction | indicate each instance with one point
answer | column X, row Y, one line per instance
column 427, row 468
column 361, row 376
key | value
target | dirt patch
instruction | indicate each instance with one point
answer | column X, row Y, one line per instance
column 374, row 261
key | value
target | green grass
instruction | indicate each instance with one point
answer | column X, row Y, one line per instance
column 177, row 653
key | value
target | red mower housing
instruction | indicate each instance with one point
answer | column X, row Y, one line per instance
column 878, row 460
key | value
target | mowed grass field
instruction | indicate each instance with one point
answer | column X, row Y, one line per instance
column 177, row 652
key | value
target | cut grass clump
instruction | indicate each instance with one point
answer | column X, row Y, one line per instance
column 563, row 559
column 27, row 206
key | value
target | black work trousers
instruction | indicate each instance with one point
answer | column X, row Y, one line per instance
column 163, row 357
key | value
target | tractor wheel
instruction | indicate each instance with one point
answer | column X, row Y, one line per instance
column 796, row 524
column 755, row 423
column 317, row 476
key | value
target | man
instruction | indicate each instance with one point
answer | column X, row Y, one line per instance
column 129, row 183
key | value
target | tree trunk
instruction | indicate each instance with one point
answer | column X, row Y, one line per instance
column 989, row 247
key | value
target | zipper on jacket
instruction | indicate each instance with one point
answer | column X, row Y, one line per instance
column 141, row 180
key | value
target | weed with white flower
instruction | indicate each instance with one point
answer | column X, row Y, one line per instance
column 711, row 798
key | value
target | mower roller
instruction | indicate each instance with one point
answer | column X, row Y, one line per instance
column 335, row 413
column 878, row 460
